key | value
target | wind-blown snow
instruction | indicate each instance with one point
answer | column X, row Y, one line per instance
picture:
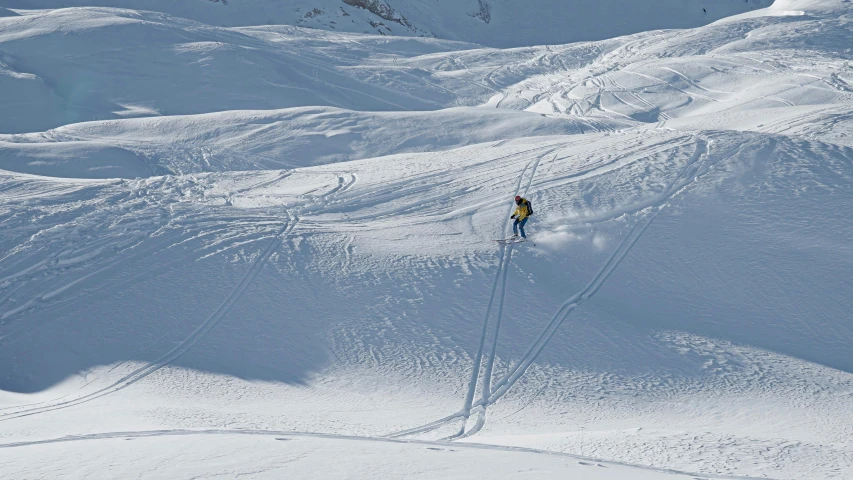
column 272, row 245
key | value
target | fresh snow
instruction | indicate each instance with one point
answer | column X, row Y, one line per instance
column 266, row 250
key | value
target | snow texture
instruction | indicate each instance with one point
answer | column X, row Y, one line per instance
column 266, row 250
column 496, row 23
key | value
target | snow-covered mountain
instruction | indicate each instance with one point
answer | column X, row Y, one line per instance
column 497, row 23
column 266, row 250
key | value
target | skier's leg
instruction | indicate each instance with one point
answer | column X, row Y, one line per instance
column 521, row 227
column 515, row 228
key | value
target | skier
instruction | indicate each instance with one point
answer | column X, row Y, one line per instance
column 523, row 211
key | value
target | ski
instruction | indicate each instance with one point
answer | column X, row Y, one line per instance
column 509, row 241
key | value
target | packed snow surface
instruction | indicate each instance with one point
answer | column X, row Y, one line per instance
column 266, row 251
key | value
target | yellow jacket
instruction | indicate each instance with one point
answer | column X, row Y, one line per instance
column 522, row 211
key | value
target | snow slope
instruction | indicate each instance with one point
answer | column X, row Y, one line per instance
column 304, row 286
column 496, row 23
column 241, row 140
column 180, row 453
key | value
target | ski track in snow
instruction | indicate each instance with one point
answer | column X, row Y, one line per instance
column 504, row 261
column 186, row 344
column 515, row 372
column 286, row 433
column 689, row 173
column 182, row 348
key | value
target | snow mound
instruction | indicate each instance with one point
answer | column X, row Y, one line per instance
column 250, row 140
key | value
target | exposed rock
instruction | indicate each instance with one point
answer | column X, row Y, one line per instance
column 485, row 13
column 381, row 10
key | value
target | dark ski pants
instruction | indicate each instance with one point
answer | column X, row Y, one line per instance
column 516, row 226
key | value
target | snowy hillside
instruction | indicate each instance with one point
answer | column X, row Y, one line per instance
column 496, row 23
column 266, row 250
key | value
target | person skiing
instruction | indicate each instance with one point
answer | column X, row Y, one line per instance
column 523, row 211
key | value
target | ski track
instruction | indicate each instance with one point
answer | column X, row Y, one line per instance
column 280, row 177
column 688, row 173
column 670, row 85
column 502, row 266
column 487, row 374
column 183, row 347
column 500, row 274
column 685, row 176
column 475, row 371
column 42, row 298
column 694, row 84
column 361, row 438
column 383, row 194
column 139, row 250
column 343, row 185
column 639, row 98
column 503, row 271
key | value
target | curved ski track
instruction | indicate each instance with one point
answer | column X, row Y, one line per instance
column 183, row 347
column 503, row 263
column 280, row 433
column 490, row 393
column 690, row 172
